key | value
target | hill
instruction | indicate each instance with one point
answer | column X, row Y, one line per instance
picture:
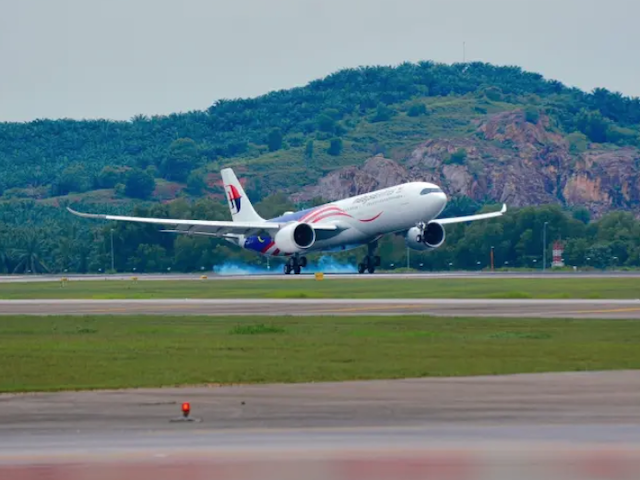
column 485, row 133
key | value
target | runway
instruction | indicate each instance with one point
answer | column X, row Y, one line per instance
column 333, row 422
column 277, row 275
column 602, row 309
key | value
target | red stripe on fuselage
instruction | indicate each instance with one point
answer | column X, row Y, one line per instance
column 264, row 250
column 331, row 214
column 372, row 219
column 320, row 211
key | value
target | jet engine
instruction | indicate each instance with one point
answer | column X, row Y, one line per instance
column 295, row 237
column 432, row 237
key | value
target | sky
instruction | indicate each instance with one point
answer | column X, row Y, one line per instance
column 119, row 58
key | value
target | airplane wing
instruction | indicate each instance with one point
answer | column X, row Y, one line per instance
column 471, row 218
column 202, row 227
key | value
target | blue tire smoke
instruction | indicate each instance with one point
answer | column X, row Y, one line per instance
column 325, row 264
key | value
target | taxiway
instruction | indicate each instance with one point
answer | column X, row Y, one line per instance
column 574, row 407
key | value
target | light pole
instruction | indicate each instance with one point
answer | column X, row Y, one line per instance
column 544, row 246
column 112, row 259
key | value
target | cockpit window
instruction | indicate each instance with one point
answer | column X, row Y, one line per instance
column 430, row 190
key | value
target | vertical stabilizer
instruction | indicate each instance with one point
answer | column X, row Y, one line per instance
column 239, row 205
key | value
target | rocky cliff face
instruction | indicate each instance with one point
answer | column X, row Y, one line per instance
column 508, row 159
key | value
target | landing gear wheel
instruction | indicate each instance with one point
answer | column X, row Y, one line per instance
column 303, row 262
column 361, row 268
column 371, row 264
column 287, row 269
column 297, row 269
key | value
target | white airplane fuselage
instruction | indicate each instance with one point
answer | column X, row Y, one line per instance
column 361, row 219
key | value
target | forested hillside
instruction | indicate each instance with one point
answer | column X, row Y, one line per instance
column 488, row 134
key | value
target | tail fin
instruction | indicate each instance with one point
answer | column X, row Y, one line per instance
column 239, row 204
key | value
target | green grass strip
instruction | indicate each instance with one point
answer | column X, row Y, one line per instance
column 586, row 288
column 57, row 353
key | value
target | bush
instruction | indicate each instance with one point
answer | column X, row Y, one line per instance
column 532, row 115
column 578, row 142
column 383, row 114
column 417, row 110
column 621, row 136
column 457, row 158
column 493, row 93
column 335, row 148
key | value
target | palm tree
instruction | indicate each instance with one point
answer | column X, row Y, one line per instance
column 5, row 260
column 28, row 255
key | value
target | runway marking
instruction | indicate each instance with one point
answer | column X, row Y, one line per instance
column 311, row 309
column 612, row 310
column 371, row 307
column 135, row 308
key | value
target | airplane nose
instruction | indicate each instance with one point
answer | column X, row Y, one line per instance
column 442, row 199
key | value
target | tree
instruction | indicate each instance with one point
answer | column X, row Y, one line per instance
column 274, row 205
column 335, row 147
column 110, row 176
column 383, row 114
column 30, row 252
column 139, row 184
column 308, row 150
column 5, row 259
column 326, row 123
column 182, row 157
column 195, row 183
column 417, row 110
column 582, row 214
column 493, row 93
column 74, row 178
column 275, row 140
column 593, row 125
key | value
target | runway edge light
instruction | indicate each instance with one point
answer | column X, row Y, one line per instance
column 186, row 412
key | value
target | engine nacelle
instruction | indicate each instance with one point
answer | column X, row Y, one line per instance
column 295, row 237
column 433, row 237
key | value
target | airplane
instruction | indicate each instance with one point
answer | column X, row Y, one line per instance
column 411, row 208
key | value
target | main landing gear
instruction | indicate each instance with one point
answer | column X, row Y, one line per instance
column 371, row 261
column 295, row 264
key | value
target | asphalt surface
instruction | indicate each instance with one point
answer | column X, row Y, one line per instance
column 276, row 273
column 594, row 407
column 553, row 426
column 607, row 309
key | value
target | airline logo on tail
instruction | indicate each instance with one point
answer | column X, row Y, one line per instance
column 234, row 198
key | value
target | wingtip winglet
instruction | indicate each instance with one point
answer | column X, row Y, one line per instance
column 85, row 215
column 504, row 208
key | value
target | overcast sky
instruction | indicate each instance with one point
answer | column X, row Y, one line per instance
column 117, row 58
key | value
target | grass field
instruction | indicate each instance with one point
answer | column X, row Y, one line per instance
column 332, row 288
column 54, row 353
